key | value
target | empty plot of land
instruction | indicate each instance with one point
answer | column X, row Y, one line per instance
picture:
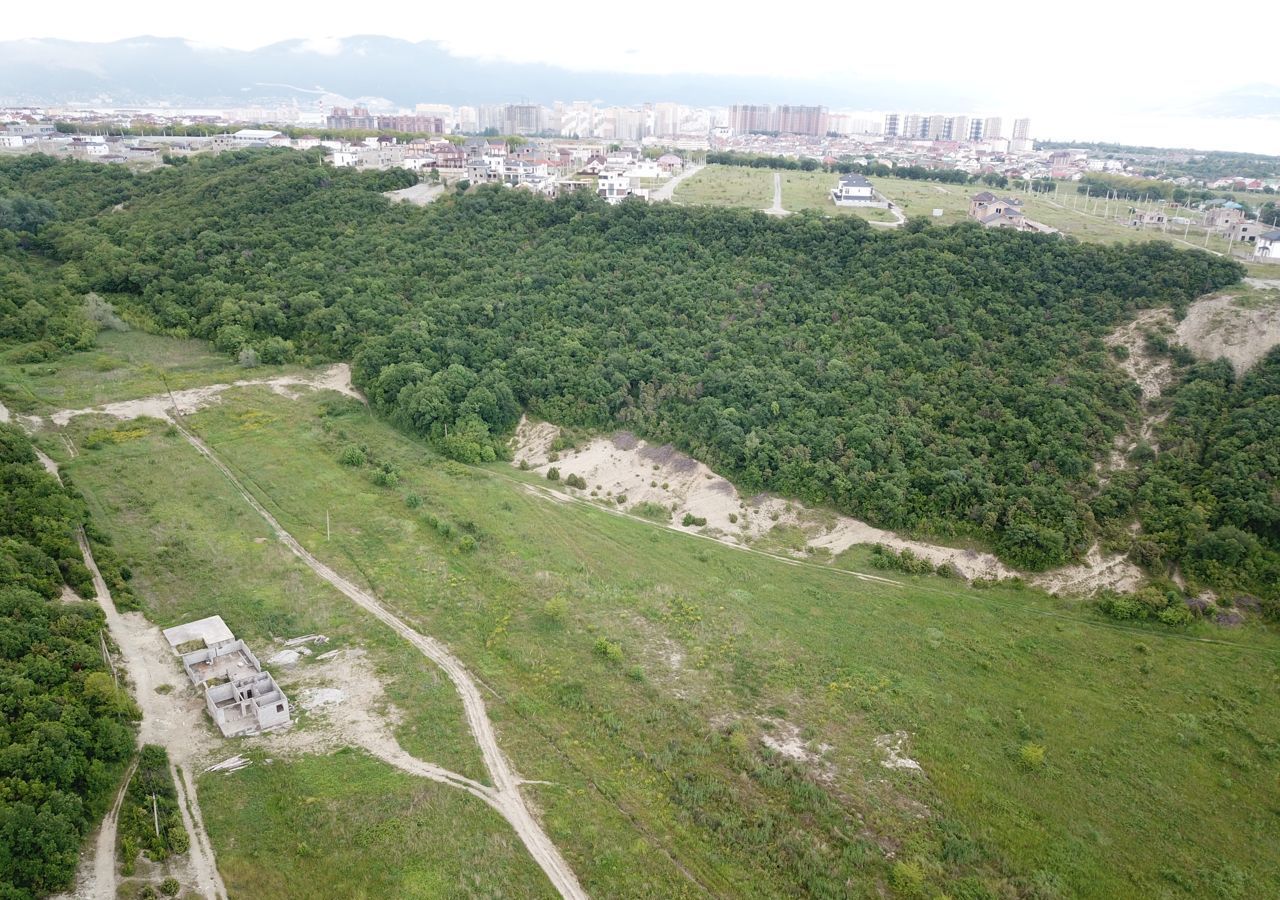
column 728, row 186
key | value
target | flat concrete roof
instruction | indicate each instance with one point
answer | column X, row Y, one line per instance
column 211, row 630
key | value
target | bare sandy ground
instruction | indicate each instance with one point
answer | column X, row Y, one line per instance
column 1151, row 373
column 624, row 465
column 1242, row 330
column 161, row 406
column 419, row 194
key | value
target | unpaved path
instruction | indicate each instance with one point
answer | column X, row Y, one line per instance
column 668, row 190
column 170, row 721
column 776, row 209
column 506, row 797
column 334, row 378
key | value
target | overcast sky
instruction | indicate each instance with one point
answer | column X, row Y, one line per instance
column 1093, row 69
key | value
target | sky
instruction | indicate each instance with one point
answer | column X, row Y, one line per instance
column 1093, row 69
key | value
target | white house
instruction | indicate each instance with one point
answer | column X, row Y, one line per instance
column 853, row 190
column 614, row 187
column 1267, row 246
column 11, row 140
column 344, row 158
column 246, row 136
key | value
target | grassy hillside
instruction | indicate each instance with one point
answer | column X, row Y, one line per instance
column 643, row 673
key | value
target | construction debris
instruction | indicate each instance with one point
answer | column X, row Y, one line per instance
column 233, row 764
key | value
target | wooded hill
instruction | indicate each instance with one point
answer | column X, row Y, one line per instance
column 943, row 381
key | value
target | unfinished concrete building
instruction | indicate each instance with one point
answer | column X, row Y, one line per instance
column 241, row 698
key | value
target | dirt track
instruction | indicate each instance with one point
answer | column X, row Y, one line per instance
column 165, row 721
column 505, row 795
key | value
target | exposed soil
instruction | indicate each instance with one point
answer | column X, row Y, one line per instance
column 1152, row 373
column 335, row 378
column 624, row 465
column 1239, row 329
column 894, row 757
column 419, row 194
column 1096, row 572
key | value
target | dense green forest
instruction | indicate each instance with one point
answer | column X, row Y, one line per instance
column 65, row 728
column 945, row 381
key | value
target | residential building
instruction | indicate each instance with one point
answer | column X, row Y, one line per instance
column 975, row 130
column 748, row 119
column 614, row 187
column 853, row 190
column 522, row 118
column 1267, row 246
column 1223, row 218
column 355, row 119
column 1021, row 129
column 992, row 128
column 892, row 125
column 240, row 697
column 800, row 120
column 1246, row 232
column 1140, row 218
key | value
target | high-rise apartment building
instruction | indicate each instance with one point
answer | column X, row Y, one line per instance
column 347, row 119
column 801, row 120
column 892, row 125
column 911, row 126
column 522, row 118
column 957, row 129
column 937, row 125
column 746, row 118
column 993, row 129
column 975, row 130
column 1021, row 129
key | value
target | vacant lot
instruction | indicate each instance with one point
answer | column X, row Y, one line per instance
column 728, row 186
column 123, row 366
column 674, row 692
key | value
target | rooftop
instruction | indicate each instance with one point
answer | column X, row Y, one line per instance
column 212, row 631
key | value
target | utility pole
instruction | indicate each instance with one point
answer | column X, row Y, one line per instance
column 327, row 533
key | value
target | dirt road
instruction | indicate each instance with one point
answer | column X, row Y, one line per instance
column 505, row 796
column 776, row 209
column 668, row 190
column 166, row 720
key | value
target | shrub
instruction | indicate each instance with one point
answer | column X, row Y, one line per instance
column 352, row 456
column 1031, row 755
column 609, row 650
column 650, row 510
column 691, row 519
column 248, row 358
column 170, row 887
column 466, row 543
column 553, row 474
column 556, row 609
column 384, row 478
column 576, row 481
column 413, row 501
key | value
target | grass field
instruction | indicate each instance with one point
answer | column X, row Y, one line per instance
column 812, row 190
column 753, row 188
column 643, row 673
column 347, row 826
column 727, row 186
column 124, row 365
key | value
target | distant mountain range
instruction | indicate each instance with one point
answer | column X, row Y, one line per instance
column 145, row 71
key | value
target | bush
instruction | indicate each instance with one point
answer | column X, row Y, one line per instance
column 1031, row 755
column 691, row 519
column 576, row 481
column 553, row 474
column 556, row 609
column 384, row 478
column 608, row 650
column 466, row 543
column 170, row 887
column 413, row 501
column 650, row 510
column 352, row 456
